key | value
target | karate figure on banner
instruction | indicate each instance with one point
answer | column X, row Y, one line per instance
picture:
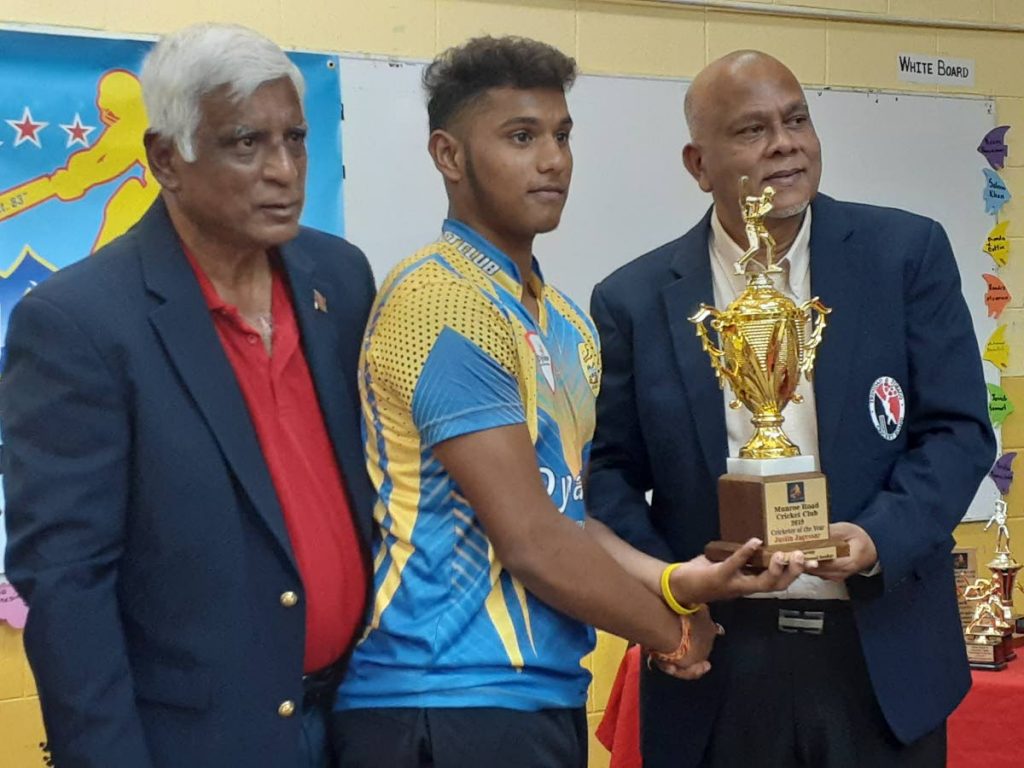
column 118, row 151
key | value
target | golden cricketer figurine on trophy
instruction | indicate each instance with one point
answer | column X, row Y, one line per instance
column 765, row 343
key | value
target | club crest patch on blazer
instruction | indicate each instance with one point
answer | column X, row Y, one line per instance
column 887, row 407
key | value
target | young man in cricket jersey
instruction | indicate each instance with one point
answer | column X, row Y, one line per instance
column 478, row 382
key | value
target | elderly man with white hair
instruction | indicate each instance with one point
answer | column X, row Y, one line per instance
column 187, row 505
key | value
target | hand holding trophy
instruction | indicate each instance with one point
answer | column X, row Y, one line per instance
column 765, row 343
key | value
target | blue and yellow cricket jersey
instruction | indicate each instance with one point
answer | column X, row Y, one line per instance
column 450, row 350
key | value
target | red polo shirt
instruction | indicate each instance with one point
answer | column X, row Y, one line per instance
column 283, row 405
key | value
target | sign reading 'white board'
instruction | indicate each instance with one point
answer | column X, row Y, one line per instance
column 935, row 70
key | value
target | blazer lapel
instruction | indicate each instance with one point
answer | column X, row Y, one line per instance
column 836, row 280
column 318, row 313
column 182, row 321
column 681, row 298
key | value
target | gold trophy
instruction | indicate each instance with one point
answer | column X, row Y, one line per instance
column 1004, row 572
column 765, row 343
column 986, row 635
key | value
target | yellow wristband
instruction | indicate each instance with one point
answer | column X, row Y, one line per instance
column 670, row 599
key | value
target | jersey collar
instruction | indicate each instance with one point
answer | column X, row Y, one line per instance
column 490, row 259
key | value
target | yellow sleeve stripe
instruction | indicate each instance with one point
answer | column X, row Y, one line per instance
column 500, row 617
column 525, row 608
column 403, row 511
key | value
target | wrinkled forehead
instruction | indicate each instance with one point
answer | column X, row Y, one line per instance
column 764, row 87
column 272, row 101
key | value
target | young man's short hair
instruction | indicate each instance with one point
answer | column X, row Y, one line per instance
column 461, row 75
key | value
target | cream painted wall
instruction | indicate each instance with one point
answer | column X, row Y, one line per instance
column 649, row 38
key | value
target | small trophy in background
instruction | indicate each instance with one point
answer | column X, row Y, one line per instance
column 989, row 636
column 986, row 636
column 1004, row 569
column 765, row 343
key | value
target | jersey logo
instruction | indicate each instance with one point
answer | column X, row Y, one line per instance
column 562, row 490
column 887, row 407
column 486, row 264
column 590, row 362
column 543, row 358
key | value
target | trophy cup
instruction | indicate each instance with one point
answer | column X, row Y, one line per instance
column 765, row 343
column 986, row 636
column 1004, row 572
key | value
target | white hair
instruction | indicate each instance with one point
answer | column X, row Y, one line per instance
column 186, row 65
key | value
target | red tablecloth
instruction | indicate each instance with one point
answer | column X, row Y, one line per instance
column 619, row 729
column 986, row 730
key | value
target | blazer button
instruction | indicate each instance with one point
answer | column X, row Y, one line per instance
column 287, row 708
column 289, row 599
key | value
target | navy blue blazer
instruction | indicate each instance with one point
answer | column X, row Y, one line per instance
column 892, row 282
column 144, row 529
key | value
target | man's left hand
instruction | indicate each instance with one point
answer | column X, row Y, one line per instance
column 862, row 557
column 703, row 632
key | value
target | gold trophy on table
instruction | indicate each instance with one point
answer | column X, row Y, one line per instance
column 989, row 636
column 1004, row 571
column 765, row 343
column 986, row 636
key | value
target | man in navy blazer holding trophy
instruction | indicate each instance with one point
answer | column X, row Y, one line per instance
column 861, row 660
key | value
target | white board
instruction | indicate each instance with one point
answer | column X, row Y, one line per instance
column 630, row 192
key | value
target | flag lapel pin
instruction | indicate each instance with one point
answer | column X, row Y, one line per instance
column 319, row 301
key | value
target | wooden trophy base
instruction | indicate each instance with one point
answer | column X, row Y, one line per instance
column 984, row 652
column 1008, row 650
column 824, row 549
column 788, row 512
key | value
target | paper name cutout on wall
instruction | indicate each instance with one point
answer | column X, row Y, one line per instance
column 999, row 405
column 994, row 148
column 1002, row 472
column 996, row 297
column 996, row 195
column 997, row 350
column 12, row 608
column 997, row 244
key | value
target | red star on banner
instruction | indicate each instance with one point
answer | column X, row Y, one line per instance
column 77, row 132
column 27, row 129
